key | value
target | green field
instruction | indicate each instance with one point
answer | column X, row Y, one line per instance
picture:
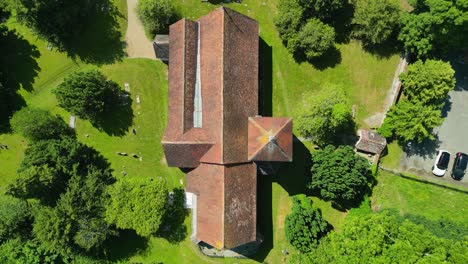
column 411, row 196
column 364, row 76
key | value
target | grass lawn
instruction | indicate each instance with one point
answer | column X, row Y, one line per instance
column 413, row 197
column 392, row 159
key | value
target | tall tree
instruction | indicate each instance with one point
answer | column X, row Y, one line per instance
column 87, row 94
column 435, row 26
column 301, row 26
column 304, row 226
column 156, row 15
column 428, row 82
column 374, row 22
column 325, row 115
column 48, row 165
column 77, row 222
column 410, row 121
column 137, row 204
column 15, row 218
column 340, row 175
column 37, row 124
column 313, row 40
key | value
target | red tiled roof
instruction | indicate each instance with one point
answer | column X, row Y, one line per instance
column 270, row 139
column 224, row 178
column 229, row 84
column 227, row 197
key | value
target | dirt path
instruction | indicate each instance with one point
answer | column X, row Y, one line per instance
column 138, row 45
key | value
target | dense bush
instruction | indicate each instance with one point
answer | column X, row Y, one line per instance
column 304, row 226
column 137, row 204
column 156, row 15
column 340, row 175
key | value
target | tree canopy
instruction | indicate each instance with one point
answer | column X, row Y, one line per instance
column 435, row 26
column 410, row 121
column 77, row 221
column 313, row 40
column 156, row 15
column 340, row 175
column 37, row 124
column 137, row 204
column 322, row 9
column 87, row 94
column 382, row 238
column 428, row 82
column 304, row 226
column 15, row 218
column 48, row 165
column 325, row 115
column 301, row 26
column 374, row 22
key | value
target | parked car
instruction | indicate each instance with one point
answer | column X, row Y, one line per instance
column 459, row 166
column 441, row 163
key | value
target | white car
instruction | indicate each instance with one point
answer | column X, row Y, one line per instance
column 441, row 163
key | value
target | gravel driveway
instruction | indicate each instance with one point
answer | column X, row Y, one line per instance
column 452, row 135
column 138, row 45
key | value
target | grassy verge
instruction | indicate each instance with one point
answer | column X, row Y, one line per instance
column 392, row 159
column 410, row 196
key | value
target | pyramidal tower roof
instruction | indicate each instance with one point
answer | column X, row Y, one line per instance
column 270, row 139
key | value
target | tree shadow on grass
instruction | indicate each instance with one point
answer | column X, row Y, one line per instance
column 18, row 69
column 118, row 118
column 293, row 177
column 18, row 66
column 101, row 40
column 387, row 49
column 173, row 228
column 127, row 244
column 329, row 59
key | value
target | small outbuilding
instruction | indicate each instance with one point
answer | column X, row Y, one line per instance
column 370, row 142
column 161, row 47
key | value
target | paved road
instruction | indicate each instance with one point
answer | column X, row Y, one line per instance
column 138, row 45
column 452, row 135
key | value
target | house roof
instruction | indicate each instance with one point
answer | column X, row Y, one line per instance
column 228, row 78
column 226, row 211
column 270, row 139
column 213, row 90
column 370, row 141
